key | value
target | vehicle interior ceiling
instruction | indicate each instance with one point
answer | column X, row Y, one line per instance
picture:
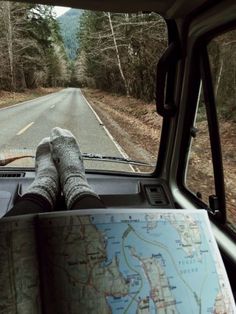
column 188, row 23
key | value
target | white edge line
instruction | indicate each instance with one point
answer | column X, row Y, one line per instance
column 25, row 128
column 120, row 149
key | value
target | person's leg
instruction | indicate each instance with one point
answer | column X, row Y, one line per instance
column 87, row 202
column 42, row 193
column 29, row 204
column 68, row 160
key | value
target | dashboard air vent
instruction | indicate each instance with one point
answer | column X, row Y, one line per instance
column 12, row 174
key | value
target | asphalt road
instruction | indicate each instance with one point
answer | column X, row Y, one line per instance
column 24, row 125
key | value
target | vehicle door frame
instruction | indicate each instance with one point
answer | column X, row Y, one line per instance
column 217, row 19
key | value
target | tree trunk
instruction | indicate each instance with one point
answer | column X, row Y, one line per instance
column 219, row 77
column 22, row 77
column 118, row 55
column 9, row 40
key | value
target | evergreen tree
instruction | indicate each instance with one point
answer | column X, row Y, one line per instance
column 69, row 24
column 29, row 37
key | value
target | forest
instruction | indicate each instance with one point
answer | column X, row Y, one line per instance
column 119, row 52
column 32, row 52
column 113, row 52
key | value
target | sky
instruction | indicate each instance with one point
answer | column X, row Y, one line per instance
column 60, row 10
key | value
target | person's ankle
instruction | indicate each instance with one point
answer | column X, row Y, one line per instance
column 46, row 182
column 68, row 159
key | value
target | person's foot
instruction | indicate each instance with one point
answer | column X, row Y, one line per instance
column 46, row 182
column 69, row 162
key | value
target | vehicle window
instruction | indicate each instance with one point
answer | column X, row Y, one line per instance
column 95, row 74
column 200, row 177
column 222, row 54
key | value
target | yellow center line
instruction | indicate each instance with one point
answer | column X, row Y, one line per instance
column 25, row 128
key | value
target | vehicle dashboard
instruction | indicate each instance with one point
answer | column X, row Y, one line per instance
column 115, row 190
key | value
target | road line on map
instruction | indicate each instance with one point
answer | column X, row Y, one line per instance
column 120, row 149
column 25, row 128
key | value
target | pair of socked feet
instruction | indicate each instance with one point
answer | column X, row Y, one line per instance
column 59, row 166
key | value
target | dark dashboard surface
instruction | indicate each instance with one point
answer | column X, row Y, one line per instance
column 116, row 191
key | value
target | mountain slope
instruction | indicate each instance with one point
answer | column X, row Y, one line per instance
column 69, row 24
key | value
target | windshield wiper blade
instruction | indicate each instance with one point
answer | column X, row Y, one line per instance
column 99, row 157
column 86, row 156
column 6, row 161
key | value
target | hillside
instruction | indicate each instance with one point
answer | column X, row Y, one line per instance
column 69, row 23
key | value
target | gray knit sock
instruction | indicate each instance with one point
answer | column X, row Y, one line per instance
column 46, row 182
column 68, row 160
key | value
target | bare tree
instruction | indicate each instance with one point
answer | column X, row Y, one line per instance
column 120, row 51
column 117, row 53
column 8, row 30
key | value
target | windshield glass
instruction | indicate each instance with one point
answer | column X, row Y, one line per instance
column 90, row 72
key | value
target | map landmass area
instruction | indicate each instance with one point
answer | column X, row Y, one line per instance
column 79, row 266
column 160, row 288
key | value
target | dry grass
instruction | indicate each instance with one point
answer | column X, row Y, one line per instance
column 10, row 98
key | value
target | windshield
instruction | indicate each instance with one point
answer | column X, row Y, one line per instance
column 90, row 72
